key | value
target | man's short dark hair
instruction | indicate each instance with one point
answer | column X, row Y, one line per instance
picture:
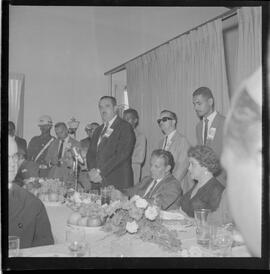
column 133, row 112
column 113, row 100
column 204, row 91
column 172, row 114
column 60, row 124
column 166, row 155
column 11, row 124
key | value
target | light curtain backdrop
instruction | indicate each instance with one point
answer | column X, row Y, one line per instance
column 249, row 41
column 16, row 101
column 166, row 77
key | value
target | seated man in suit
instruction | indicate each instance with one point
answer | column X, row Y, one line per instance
column 21, row 143
column 26, row 170
column 161, row 187
column 27, row 215
column 60, row 155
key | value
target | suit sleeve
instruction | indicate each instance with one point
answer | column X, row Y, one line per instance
column 43, row 234
column 124, row 149
column 139, row 151
column 181, row 161
column 168, row 196
column 92, row 151
column 198, row 135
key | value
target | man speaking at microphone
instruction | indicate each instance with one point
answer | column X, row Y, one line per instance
column 109, row 155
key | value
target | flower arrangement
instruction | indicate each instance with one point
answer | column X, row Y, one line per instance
column 137, row 216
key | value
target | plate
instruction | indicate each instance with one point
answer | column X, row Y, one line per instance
column 171, row 215
column 86, row 228
column 52, row 203
column 52, row 254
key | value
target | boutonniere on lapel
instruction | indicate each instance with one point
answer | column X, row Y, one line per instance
column 108, row 132
column 211, row 133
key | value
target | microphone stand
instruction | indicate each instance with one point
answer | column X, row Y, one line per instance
column 76, row 173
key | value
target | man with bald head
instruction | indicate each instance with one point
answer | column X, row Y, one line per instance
column 27, row 215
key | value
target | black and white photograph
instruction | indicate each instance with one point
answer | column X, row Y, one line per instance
column 135, row 135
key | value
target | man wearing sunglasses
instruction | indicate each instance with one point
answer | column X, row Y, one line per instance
column 177, row 144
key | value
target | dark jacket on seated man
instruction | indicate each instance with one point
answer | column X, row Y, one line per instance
column 28, row 219
column 167, row 193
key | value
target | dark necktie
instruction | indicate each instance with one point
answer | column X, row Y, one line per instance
column 60, row 150
column 104, row 130
column 205, row 131
column 165, row 143
column 152, row 189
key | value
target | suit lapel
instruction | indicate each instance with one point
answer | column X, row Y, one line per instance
column 105, row 140
column 159, row 186
column 214, row 125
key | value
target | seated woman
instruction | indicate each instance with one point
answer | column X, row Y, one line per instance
column 206, row 193
column 161, row 187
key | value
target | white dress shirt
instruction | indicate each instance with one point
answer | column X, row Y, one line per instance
column 151, row 185
column 210, row 119
column 169, row 140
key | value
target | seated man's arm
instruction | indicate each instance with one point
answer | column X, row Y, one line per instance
column 43, row 234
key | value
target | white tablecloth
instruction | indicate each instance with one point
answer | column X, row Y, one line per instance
column 102, row 244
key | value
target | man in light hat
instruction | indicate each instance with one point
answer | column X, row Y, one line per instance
column 38, row 145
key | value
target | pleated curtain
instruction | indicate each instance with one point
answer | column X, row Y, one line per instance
column 249, row 42
column 166, row 77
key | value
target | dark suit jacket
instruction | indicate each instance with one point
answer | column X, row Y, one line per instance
column 113, row 155
column 21, row 143
column 167, row 192
column 208, row 197
column 28, row 219
column 216, row 143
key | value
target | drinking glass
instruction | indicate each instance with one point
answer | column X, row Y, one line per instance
column 105, row 196
column 221, row 241
column 202, row 227
column 77, row 243
column 13, row 246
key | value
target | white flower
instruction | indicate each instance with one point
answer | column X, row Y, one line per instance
column 195, row 251
column 184, row 253
column 141, row 203
column 76, row 197
column 151, row 213
column 135, row 198
column 132, row 227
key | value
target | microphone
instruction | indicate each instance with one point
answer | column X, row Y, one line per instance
column 77, row 155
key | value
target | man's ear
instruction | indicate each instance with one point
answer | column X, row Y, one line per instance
column 211, row 102
column 168, row 168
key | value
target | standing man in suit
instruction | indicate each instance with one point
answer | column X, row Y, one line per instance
column 38, row 145
column 177, row 144
column 138, row 156
column 161, row 187
column 110, row 152
column 209, row 130
column 60, row 154
column 21, row 143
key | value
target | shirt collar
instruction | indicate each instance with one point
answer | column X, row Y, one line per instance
column 111, row 121
column 211, row 117
column 171, row 135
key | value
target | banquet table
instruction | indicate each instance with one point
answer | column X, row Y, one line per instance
column 103, row 244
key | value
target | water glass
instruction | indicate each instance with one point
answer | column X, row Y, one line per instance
column 105, row 196
column 221, row 241
column 202, row 227
column 13, row 246
column 77, row 244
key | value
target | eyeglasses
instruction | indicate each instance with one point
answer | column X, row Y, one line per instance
column 164, row 119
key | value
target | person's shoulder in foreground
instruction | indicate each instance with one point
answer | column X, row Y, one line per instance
column 28, row 218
